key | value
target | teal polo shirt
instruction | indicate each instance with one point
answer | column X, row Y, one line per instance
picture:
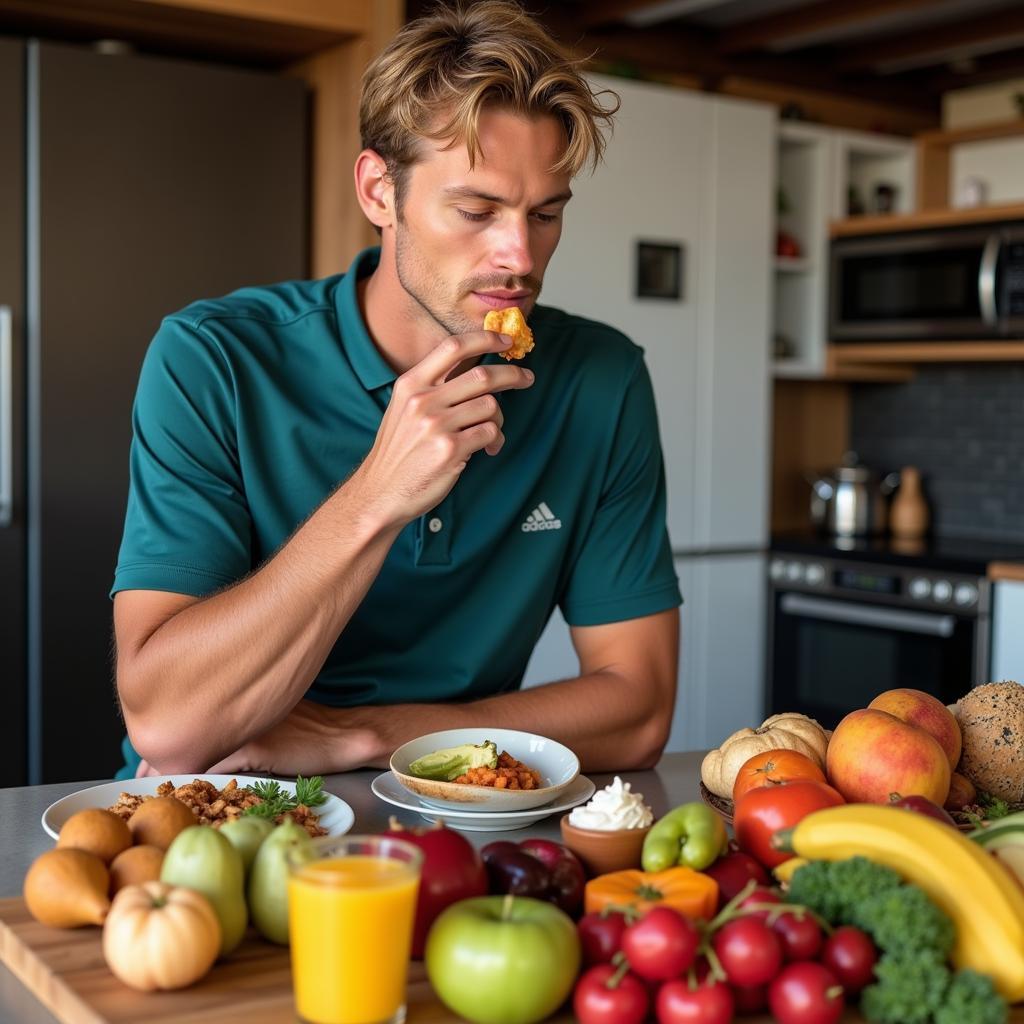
column 251, row 409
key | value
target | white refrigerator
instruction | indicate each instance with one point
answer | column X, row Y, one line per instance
column 688, row 170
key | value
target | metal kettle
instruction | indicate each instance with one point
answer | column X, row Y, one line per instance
column 851, row 500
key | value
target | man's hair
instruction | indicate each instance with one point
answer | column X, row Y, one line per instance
column 442, row 70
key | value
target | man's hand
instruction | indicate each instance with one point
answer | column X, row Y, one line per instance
column 433, row 425
column 311, row 740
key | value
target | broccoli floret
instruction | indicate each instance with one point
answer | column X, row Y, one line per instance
column 904, row 919
column 972, row 999
column 909, row 990
column 835, row 889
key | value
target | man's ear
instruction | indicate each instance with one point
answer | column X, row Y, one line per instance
column 374, row 189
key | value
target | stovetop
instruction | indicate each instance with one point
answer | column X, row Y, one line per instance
column 949, row 554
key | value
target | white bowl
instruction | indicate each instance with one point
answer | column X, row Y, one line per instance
column 557, row 764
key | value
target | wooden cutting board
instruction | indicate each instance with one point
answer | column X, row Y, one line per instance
column 65, row 970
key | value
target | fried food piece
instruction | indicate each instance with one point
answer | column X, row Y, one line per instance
column 510, row 773
column 510, row 321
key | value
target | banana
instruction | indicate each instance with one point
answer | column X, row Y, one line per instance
column 784, row 872
column 983, row 901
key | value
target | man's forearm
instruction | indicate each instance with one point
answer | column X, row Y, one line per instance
column 601, row 716
column 229, row 667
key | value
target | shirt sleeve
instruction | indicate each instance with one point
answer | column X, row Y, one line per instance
column 187, row 525
column 625, row 568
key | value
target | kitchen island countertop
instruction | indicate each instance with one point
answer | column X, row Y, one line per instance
column 22, row 839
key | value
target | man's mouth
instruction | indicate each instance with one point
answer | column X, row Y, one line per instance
column 500, row 299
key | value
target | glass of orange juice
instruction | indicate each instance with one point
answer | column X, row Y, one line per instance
column 351, row 905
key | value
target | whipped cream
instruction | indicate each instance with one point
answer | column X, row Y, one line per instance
column 613, row 807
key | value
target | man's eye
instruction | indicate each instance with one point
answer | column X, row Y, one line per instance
column 473, row 216
column 547, row 218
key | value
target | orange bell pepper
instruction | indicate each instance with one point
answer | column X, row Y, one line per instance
column 692, row 893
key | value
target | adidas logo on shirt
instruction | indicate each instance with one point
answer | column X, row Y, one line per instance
column 541, row 518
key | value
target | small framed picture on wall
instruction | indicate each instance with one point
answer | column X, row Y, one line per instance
column 659, row 270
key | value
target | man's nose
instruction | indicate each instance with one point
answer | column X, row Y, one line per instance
column 513, row 253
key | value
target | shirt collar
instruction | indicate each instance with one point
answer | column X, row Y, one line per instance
column 370, row 366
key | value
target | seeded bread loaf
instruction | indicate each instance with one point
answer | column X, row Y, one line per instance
column 991, row 721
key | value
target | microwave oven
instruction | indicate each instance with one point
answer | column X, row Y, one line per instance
column 962, row 283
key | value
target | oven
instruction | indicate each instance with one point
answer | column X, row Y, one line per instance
column 965, row 283
column 843, row 631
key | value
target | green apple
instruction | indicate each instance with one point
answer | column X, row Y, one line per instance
column 503, row 959
column 268, row 881
column 246, row 833
column 201, row 858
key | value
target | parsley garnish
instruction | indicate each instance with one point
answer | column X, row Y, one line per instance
column 277, row 801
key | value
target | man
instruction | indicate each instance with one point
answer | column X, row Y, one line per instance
column 349, row 518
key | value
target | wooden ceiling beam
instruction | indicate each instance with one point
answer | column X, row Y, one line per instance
column 691, row 52
column 609, row 12
column 991, row 68
column 937, row 45
column 811, row 20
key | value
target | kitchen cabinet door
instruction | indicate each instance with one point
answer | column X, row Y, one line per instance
column 159, row 182
column 1008, row 630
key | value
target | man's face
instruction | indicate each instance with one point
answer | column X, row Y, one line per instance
column 468, row 241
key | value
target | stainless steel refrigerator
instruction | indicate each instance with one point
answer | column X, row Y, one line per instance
column 129, row 186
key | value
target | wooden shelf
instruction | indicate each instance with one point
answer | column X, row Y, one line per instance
column 910, row 352
column 873, row 225
column 1006, row 571
column 933, row 157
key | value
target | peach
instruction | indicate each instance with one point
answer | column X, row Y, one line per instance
column 873, row 754
column 926, row 712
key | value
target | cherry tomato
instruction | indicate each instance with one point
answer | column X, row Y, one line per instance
column 760, row 895
column 850, row 955
column 749, row 951
column 600, row 936
column 709, row 1003
column 806, row 993
column 661, row 945
column 595, row 1002
column 732, row 871
column 774, row 768
column 762, row 812
column 800, row 935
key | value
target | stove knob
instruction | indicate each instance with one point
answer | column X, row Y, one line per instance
column 815, row 574
column 965, row 594
column 920, row 588
column 777, row 570
column 794, row 572
column 942, row 591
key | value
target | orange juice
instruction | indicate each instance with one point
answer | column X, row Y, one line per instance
column 350, row 922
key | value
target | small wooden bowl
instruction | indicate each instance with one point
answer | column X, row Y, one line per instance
column 723, row 806
column 601, row 850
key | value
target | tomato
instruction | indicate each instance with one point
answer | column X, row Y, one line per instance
column 850, row 955
column 775, row 768
column 732, row 871
column 600, row 999
column 760, row 895
column 799, row 934
column 710, row 1002
column 661, row 945
column 764, row 811
column 601, row 936
column 806, row 993
column 749, row 951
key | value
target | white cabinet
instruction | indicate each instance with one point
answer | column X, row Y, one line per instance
column 1008, row 631
column 821, row 171
column 696, row 171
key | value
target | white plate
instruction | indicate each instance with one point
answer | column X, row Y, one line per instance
column 390, row 790
column 335, row 815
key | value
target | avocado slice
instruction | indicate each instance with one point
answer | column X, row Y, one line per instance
column 451, row 762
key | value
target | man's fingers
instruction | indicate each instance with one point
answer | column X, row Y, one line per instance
column 484, row 380
column 436, row 365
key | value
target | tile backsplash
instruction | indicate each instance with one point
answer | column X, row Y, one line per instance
column 963, row 427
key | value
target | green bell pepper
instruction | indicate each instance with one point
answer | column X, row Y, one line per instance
column 692, row 835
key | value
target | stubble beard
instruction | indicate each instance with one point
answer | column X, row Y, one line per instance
column 427, row 290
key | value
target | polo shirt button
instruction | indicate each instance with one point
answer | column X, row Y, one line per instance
column 435, row 525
